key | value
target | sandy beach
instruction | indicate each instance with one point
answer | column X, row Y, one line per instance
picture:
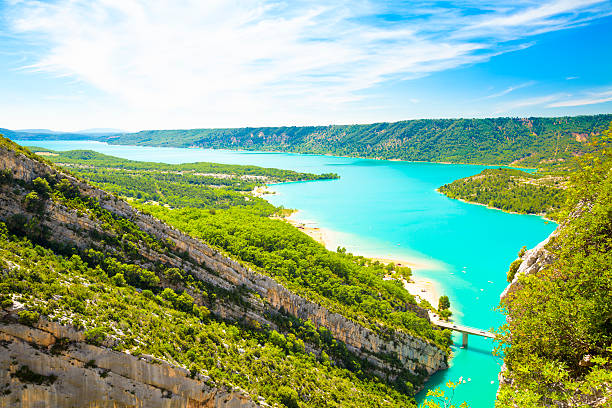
column 418, row 286
column 320, row 235
column 261, row 191
column 423, row 288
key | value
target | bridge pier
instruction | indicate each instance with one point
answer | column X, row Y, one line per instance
column 464, row 330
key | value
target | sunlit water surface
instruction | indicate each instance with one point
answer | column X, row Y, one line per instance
column 391, row 209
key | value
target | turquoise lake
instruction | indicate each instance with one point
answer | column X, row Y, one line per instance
column 391, row 209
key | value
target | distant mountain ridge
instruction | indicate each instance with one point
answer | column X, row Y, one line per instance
column 34, row 133
column 528, row 142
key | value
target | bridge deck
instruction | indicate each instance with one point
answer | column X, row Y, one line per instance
column 464, row 329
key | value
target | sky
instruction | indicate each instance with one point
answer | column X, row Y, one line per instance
column 160, row 64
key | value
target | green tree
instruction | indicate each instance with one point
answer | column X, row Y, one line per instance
column 443, row 303
column 438, row 398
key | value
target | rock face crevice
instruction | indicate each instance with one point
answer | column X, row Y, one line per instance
column 207, row 264
column 77, row 374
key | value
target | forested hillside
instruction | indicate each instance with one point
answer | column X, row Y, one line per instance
column 527, row 142
column 512, row 190
column 524, row 142
column 557, row 342
column 201, row 185
column 240, row 224
column 340, row 336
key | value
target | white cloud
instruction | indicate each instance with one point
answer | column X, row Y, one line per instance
column 236, row 62
column 541, row 15
column 510, row 89
column 589, row 99
column 527, row 102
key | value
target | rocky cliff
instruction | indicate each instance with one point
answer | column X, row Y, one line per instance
column 51, row 366
column 259, row 295
column 532, row 261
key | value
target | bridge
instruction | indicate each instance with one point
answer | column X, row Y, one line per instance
column 460, row 328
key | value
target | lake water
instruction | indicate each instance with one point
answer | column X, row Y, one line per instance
column 391, row 209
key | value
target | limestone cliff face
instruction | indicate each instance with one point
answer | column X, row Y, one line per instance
column 533, row 260
column 208, row 264
column 51, row 366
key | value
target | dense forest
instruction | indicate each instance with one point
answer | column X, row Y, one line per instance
column 557, row 342
column 544, row 143
column 526, row 142
column 108, row 304
column 511, row 190
column 200, row 185
column 240, row 225
column 107, row 286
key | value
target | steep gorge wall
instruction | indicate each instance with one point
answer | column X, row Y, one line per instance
column 67, row 225
column 51, row 366
column 532, row 261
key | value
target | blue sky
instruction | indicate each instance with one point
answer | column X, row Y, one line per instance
column 136, row 64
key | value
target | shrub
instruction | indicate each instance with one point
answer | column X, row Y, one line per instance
column 28, row 317
column 96, row 336
column 513, row 268
column 28, row 376
column 443, row 303
column 118, row 280
column 445, row 314
column 41, row 186
column 33, row 202
column 184, row 302
column 148, row 294
column 288, row 397
column 67, row 189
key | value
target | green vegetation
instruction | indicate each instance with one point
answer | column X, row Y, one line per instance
column 70, row 290
column 530, row 142
column 26, row 375
column 513, row 269
column 557, row 341
column 511, row 190
column 439, row 398
column 444, row 307
column 89, row 158
column 351, row 285
column 109, row 288
column 201, row 185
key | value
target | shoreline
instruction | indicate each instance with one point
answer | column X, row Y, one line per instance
column 109, row 142
column 418, row 286
column 495, row 208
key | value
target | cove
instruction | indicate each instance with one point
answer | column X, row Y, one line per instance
column 391, row 209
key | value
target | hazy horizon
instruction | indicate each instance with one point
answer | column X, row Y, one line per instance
column 110, row 131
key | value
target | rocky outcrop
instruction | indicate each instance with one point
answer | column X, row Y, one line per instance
column 74, row 229
column 532, row 261
column 51, row 366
